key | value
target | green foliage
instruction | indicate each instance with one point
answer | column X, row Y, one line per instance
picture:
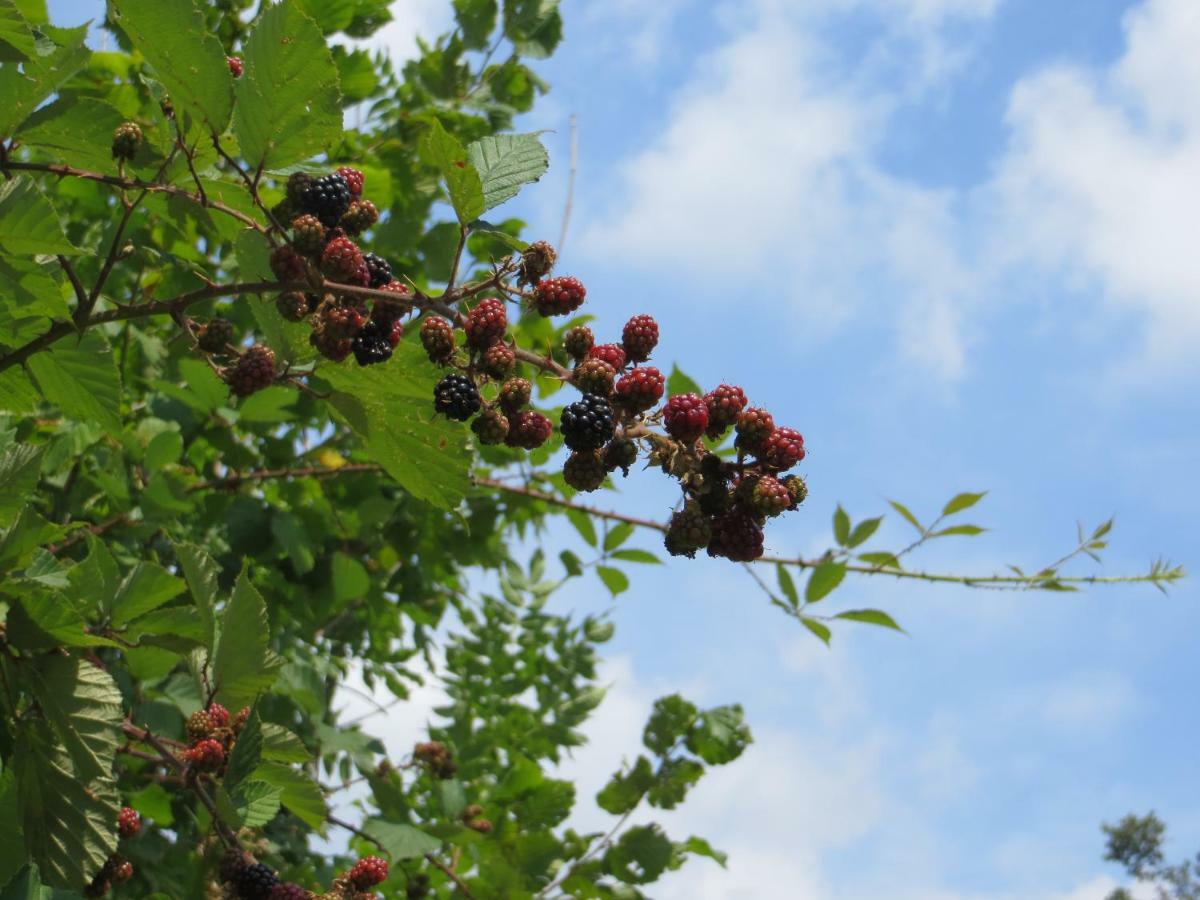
column 1136, row 844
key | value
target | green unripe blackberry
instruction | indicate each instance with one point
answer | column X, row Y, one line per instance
column 215, row 335
column 689, row 530
column 797, row 489
column 490, row 426
column 515, row 393
column 620, row 453
column 359, row 216
column 585, row 470
column 498, row 361
column 594, row 376
column 578, row 341
column 126, row 141
column 308, row 234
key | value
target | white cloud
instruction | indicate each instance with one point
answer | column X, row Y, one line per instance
column 410, row 19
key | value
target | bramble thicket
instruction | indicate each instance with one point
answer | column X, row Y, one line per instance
column 277, row 396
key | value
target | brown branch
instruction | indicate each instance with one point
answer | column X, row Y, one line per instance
column 80, row 293
column 82, row 533
column 131, row 184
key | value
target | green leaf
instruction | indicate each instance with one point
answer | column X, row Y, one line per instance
column 28, row 222
column 25, row 885
column 76, row 131
column 154, row 803
column 257, row 802
column 637, row 556
column 82, row 380
column 617, row 535
column 390, row 407
column 871, row 617
column 679, row 383
column 909, row 517
column 12, row 842
column 187, row 56
column 445, row 153
column 350, row 578
column 68, row 818
column 787, row 585
column 476, row 20
column 672, row 782
column 281, row 745
column 301, row 795
column 640, row 856
column 698, row 846
column 289, row 107
column 146, row 587
column 402, row 841
column 615, row 580
column 20, row 468
column 625, row 790
column 15, row 32
column 719, row 735
column 883, row 559
column 24, row 90
column 841, row 526
column 822, row 581
column 820, row 629
column 246, row 754
column 964, row 530
column 82, row 703
column 961, row 502
column 202, row 574
column 862, row 531
column 504, row 163
column 243, row 667
column 669, row 721
column 584, row 525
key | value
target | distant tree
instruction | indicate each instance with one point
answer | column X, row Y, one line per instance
column 1136, row 843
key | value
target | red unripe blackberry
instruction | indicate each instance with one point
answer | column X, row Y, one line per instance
column 288, row 264
column 498, row 361
column 640, row 337
column 578, row 341
column 369, row 872
column 490, row 426
column 334, row 327
column 293, row 306
column 122, row 871
column 620, row 453
column 437, row 337
column 326, row 198
column 689, row 530
column 486, row 323
column 129, row 823
column 528, row 429
column 797, row 488
column 456, row 397
column 610, row 353
column 393, row 309
column 640, row 389
column 514, row 394
column 594, row 376
column 736, row 535
column 297, row 185
column 219, row 715
column 559, row 296
column 206, row 755
column 725, row 403
column 768, row 496
column 380, row 270
column 308, row 234
column 483, row 826
column 215, row 335
column 289, row 890
column 235, row 66
column 254, row 370
column 126, row 141
column 754, row 426
column 685, row 417
column 585, row 470
column 536, row 262
column 255, row 882
column 341, row 261
column 782, row 449
column 354, row 180
column 588, row 423
column 359, row 216
column 376, row 340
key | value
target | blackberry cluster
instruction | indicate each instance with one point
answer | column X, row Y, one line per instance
column 326, row 198
column 375, row 342
column 457, row 397
column 253, row 371
column 255, row 882
column 368, row 872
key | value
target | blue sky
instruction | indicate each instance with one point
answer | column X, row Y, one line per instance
column 953, row 242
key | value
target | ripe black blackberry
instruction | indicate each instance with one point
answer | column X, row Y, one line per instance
column 379, row 269
column 375, row 341
column 456, row 397
column 585, row 470
column 588, row 423
column 215, row 335
column 490, row 426
column 126, row 141
column 327, row 198
column 293, row 306
column 255, row 882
